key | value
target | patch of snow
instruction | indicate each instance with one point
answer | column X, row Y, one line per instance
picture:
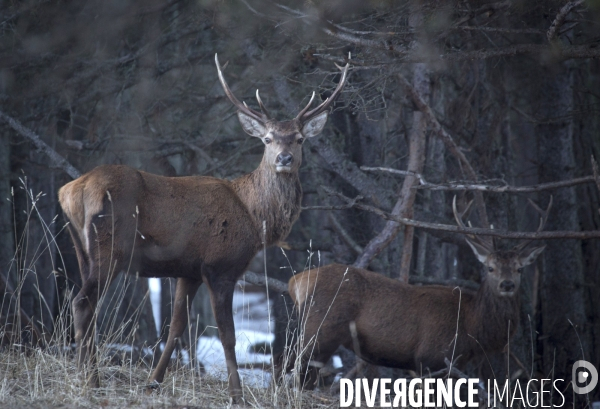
column 253, row 324
column 155, row 287
column 337, row 361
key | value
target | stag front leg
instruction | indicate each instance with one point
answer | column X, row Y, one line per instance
column 221, row 297
column 184, row 295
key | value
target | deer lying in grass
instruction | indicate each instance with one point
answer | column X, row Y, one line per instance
column 198, row 229
column 390, row 323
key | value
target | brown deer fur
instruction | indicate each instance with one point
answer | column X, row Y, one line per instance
column 198, row 229
column 400, row 325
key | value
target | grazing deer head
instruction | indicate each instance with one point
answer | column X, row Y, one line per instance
column 388, row 322
column 503, row 267
column 197, row 229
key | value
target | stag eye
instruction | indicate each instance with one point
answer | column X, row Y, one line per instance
column 300, row 141
column 490, row 269
column 520, row 269
column 267, row 140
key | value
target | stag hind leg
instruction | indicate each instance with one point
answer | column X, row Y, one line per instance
column 184, row 295
column 82, row 258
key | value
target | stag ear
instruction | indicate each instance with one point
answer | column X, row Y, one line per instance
column 251, row 126
column 314, row 126
column 528, row 256
column 480, row 251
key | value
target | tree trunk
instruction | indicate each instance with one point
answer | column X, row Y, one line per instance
column 566, row 337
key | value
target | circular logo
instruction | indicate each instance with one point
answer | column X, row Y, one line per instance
column 588, row 377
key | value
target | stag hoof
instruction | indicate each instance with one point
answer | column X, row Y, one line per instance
column 92, row 379
column 152, row 387
column 237, row 402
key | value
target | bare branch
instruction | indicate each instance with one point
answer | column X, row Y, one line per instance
column 350, row 172
column 559, row 53
column 560, row 19
column 354, row 39
column 503, row 234
column 375, row 33
column 454, row 186
column 258, row 279
column 350, row 203
column 56, row 159
column 395, row 172
column 501, row 30
column 345, row 235
column 508, row 189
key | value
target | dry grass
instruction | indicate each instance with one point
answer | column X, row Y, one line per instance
column 42, row 378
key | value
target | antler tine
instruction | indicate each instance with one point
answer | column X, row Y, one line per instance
column 262, row 106
column 488, row 245
column 457, row 216
column 307, row 106
column 543, row 219
column 304, row 116
column 242, row 107
column 543, row 213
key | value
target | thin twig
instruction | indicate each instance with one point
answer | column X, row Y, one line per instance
column 252, row 9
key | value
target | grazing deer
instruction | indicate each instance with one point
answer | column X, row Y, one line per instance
column 197, row 229
column 390, row 323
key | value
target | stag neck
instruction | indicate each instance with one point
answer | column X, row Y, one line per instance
column 271, row 197
column 493, row 313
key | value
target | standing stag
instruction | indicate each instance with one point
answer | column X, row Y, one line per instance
column 390, row 323
column 197, row 229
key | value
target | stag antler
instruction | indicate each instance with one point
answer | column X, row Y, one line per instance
column 304, row 116
column 262, row 106
column 543, row 220
column 488, row 245
column 262, row 117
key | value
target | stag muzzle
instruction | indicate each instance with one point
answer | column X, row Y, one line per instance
column 507, row 287
column 283, row 162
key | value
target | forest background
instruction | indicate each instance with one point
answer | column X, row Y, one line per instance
column 496, row 93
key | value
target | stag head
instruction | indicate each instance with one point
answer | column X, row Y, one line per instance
column 503, row 267
column 283, row 139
